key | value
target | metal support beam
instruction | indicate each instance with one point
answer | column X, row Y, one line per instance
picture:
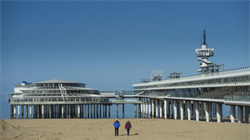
column 188, row 110
column 207, row 111
column 135, row 110
column 30, row 110
column 153, row 108
column 42, row 111
column 240, row 114
column 123, row 111
column 117, row 111
column 14, row 111
column 175, row 109
column 247, row 111
column 109, row 112
column 197, row 110
column 181, row 110
column 232, row 115
column 219, row 112
column 156, row 108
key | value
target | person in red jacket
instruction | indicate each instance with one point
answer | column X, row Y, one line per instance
column 128, row 126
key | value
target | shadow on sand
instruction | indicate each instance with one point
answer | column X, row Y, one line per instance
column 135, row 134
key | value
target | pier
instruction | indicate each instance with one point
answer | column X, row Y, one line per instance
column 199, row 97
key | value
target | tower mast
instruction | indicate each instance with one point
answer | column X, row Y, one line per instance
column 203, row 54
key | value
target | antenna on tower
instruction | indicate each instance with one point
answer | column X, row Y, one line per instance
column 204, row 37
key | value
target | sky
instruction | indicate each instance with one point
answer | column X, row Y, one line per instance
column 112, row 45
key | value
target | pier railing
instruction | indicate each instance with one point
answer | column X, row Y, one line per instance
column 236, row 98
column 58, row 99
column 225, row 72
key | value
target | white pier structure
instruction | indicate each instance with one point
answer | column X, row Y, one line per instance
column 62, row 99
column 199, row 97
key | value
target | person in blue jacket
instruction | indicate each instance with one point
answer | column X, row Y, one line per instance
column 116, row 125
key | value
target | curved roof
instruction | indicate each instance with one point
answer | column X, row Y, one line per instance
column 57, row 81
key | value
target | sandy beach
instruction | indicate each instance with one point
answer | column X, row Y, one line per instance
column 102, row 129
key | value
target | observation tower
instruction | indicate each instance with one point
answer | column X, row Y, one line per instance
column 204, row 53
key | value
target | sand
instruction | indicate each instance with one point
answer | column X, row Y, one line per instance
column 102, row 129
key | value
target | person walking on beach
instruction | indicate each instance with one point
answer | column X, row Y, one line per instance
column 116, row 125
column 128, row 126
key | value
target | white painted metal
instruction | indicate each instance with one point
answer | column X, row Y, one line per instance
column 232, row 115
column 156, row 108
column 30, row 111
column 219, row 112
column 181, row 110
column 207, row 113
column 197, row 110
column 175, row 109
column 160, row 105
column 165, row 109
column 188, row 110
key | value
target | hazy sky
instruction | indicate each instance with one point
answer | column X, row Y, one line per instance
column 112, row 45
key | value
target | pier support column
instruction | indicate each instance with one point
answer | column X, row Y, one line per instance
column 181, row 110
column 91, row 109
column 168, row 109
column 103, row 111
column 14, row 111
column 70, row 111
column 232, row 115
column 85, row 111
column 123, row 111
column 156, row 108
column 188, row 110
column 175, row 109
column 197, row 110
column 79, row 111
column 219, row 112
column 240, row 114
column 50, row 109
column 18, row 111
column 94, row 111
column 172, row 109
column 149, row 109
column 22, row 112
column 139, row 112
column 146, row 109
column 97, row 111
column 88, row 110
column 117, row 108
column 37, row 112
column 43, row 111
column 26, row 111
column 11, row 111
column 207, row 111
column 100, row 111
column 247, row 114
column 135, row 110
column 30, row 110
column 153, row 108
column 210, row 112
column 165, row 109
column 160, row 106
column 34, row 111
column 62, row 111
column 109, row 111
column 202, row 110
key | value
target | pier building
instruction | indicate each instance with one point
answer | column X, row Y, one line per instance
column 199, row 97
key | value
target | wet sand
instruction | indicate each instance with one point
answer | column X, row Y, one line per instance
column 102, row 129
